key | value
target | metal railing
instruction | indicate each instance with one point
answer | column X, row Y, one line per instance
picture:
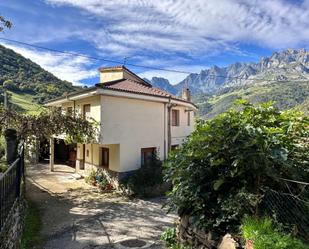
column 10, row 187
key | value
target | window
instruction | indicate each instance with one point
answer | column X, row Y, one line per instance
column 86, row 111
column 70, row 111
column 175, row 117
column 174, row 147
column 105, row 157
column 147, row 155
column 188, row 119
column 87, row 153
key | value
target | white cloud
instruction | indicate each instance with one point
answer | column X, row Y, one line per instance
column 192, row 27
column 65, row 67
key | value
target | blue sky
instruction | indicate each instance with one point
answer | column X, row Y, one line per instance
column 175, row 34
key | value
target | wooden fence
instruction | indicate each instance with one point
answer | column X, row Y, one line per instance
column 10, row 187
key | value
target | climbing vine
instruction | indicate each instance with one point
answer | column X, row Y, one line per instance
column 49, row 122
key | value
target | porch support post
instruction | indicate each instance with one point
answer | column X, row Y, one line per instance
column 51, row 153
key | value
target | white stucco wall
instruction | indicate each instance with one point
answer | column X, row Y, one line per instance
column 179, row 133
column 110, row 76
column 134, row 124
column 127, row 126
column 95, row 106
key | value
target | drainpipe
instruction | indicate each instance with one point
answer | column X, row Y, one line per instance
column 164, row 128
column 169, row 135
column 74, row 109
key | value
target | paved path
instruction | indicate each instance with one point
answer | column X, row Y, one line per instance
column 75, row 215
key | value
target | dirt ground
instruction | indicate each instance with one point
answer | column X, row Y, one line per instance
column 76, row 215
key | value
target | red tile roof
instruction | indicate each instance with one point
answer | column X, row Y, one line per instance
column 127, row 85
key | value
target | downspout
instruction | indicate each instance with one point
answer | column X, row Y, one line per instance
column 164, row 128
column 74, row 109
column 169, row 135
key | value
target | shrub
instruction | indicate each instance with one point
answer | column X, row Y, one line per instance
column 102, row 182
column 221, row 172
column 263, row 235
column 91, row 178
column 97, row 178
column 169, row 237
column 3, row 165
column 2, row 147
column 148, row 180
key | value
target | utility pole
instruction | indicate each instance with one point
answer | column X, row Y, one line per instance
column 5, row 95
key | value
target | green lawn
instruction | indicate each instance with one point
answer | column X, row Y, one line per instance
column 25, row 103
column 31, row 237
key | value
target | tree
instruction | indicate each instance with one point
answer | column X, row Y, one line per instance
column 51, row 122
column 4, row 24
column 221, row 172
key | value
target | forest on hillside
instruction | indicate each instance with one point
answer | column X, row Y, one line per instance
column 21, row 75
column 287, row 95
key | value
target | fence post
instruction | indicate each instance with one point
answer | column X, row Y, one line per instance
column 18, row 176
column 22, row 161
column 11, row 145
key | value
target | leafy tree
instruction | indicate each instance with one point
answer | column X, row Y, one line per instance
column 10, row 85
column 223, row 169
column 48, row 123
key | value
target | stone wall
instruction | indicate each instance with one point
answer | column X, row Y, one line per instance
column 187, row 233
column 10, row 236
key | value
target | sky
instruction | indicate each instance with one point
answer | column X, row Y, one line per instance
column 186, row 35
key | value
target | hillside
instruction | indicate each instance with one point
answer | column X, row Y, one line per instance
column 285, row 96
column 24, row 102
column 28, row 79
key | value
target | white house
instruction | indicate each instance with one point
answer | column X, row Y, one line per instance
column 136, row 121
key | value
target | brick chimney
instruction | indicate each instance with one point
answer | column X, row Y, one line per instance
column 186, row 94
column 108, row 74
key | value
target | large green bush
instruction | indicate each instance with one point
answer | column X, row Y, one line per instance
column 146, row 181
column 222, row 171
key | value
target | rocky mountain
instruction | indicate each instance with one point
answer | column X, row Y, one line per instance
column 283, row 78
column 163, row 84
column 290, row 64
column 21, row 75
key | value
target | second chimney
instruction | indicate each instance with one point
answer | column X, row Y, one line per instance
column 186, row 94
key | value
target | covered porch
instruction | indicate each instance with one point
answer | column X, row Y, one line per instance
column 84, row 158
column 62, row 153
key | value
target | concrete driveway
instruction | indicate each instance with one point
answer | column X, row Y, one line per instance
column 76, row 215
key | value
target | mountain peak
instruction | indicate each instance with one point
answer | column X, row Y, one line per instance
column 291, row 63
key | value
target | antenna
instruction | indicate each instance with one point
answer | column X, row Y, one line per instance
column 125, row 59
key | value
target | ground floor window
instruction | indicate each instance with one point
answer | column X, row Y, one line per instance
column 174, row 146
column 147, row 155
column 105, row 157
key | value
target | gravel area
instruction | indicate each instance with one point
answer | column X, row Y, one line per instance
column 76, row 215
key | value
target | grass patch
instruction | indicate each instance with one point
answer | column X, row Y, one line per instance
column 31, row 237
column 264, row 235
column 25, row 102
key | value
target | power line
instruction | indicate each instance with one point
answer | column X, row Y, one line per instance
column 92, row 57
column 210, row 76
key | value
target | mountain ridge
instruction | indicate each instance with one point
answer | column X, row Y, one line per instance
column 289, row 64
